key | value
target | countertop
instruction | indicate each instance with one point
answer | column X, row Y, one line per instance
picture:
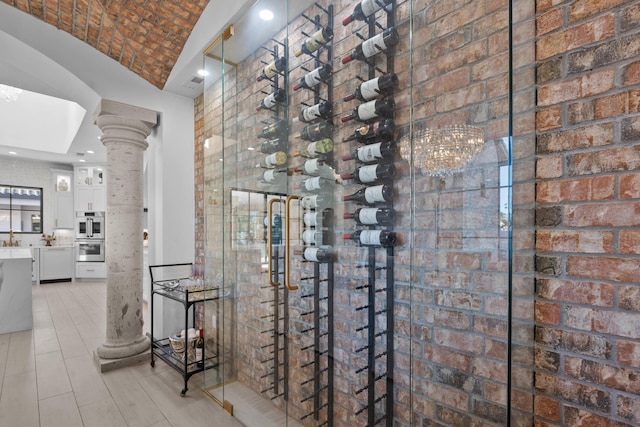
column 15, row 253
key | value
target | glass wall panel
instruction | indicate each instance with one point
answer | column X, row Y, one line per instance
column 368, row 187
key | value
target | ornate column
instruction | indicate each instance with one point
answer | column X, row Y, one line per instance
column 125, row 129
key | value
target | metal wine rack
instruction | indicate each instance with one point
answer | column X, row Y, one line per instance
column 275, row 351
column 380, row 335
column 317, row 286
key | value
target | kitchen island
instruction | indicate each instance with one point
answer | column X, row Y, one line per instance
column 15, row 290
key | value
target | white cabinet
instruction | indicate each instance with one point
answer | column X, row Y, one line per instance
column 91, row 199
column 90, row 189
column 91, row 270
column 35, row 270
column 56, row 263
column 62, row 199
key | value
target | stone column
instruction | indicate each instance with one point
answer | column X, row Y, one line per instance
column 125, row 129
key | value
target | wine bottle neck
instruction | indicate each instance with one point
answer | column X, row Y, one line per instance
column 349, row 97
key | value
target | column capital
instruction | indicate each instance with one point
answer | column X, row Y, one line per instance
column 124, row 123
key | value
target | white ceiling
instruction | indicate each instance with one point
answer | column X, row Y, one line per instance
column 58, row 122
column 37, row 57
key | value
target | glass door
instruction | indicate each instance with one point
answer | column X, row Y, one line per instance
column 359, row 213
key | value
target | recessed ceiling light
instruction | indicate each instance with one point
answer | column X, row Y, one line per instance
column 203, row 73
column 13, row 152
column 82, row 160
column 265, row 15
column 90, row 152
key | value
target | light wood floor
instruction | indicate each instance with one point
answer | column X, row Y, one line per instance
column 47, row 375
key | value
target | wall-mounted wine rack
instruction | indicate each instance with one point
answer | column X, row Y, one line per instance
column 380, row 298
column 275, row 352
column 317, row 286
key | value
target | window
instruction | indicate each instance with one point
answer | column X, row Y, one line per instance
column 20, row 209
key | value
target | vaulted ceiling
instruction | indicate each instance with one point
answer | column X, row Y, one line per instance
column 145, row 36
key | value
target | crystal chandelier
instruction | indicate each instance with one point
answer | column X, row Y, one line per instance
column 443, row 151
column 9, row 93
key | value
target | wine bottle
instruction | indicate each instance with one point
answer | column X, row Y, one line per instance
column 373, row 152
column 312, row 237
column 372, row 196
column 313, row 78
column 315, row 41
column 316, row 184
column 316, row 148
column 277, row 129
column 318, row 218
column 273, row 68
column 372, row 216
column 371, row 110
column 364, row 9
column 371, row 174
column 279, row 95
column 309, row 114
column 374, row 45
column 278, row 158
column 371, row 89
column 273, row 145
column 200, row 349
column 316, row 201
column 315, row 254
column 372, row 237
column 370, row 132
column 315, row 167
column 274, row 177
column 316, row 131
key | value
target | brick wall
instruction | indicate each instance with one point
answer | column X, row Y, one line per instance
column 587, row 248
column 451, row 301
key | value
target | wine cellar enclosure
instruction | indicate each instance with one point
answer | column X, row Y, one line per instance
column 358, row 208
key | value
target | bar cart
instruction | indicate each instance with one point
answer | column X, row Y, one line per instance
column 173, row 281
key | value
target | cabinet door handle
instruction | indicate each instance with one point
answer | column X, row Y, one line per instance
column 287, row 241
column 270, row 240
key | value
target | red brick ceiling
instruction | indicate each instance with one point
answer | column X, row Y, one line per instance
column 145, row 36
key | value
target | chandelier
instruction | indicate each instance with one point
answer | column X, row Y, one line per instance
column 9, row 93
column 439, row 152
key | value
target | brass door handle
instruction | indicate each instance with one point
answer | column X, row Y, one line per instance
column 270, row 240
column 287, row 255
